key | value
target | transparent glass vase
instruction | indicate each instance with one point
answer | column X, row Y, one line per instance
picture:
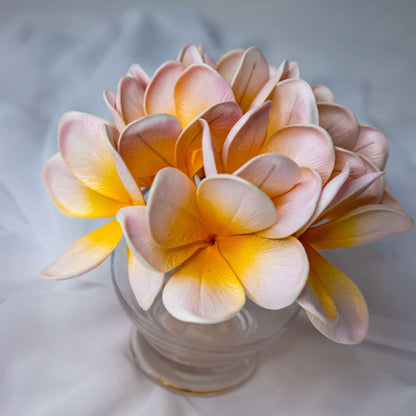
column 199, row 359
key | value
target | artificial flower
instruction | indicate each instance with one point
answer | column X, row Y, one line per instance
column 251, row 171
column 88, row 179
column 190, row 88
column 333, row 303
column 126, row 105
column 213, row 233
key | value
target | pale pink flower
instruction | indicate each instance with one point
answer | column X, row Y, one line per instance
column 251, row 171
column 88, row 179
column 344, row 216
column 215, row 234
column 190, row 89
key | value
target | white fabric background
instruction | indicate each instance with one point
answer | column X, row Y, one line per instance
column 63, row 345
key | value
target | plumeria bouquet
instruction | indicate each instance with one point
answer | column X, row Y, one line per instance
column 229, row 176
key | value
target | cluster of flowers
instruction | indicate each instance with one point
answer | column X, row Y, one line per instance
column 250, row 171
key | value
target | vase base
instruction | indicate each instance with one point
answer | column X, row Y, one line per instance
column 189, row 380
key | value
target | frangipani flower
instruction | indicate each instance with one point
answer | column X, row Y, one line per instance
column 174, row 97
column 308, row 145
column 138, row 95
column 193, row 54
column 293, row 190
column 332, row 301
column 364, row 148
column 88, row 179
column 126, row 105
column 346, row 133
column 251, row 171
column 158, row 138
column 251, row 82
column 286, row 124
column 213, row 234
column 190, row 88
column 148, row 145
column 292, row 102
column 354, row 179
column 247, row 72
column 184, row 94
column 250, row 76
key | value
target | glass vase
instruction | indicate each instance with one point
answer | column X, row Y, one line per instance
column 199, row 359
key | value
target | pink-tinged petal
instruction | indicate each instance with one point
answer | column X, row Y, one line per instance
column 323, row 94
column 204, row 289
column 207, row 59
column 283, row 70
column 220, row 117
column 373, row 144
column 390, row 200
column 316, row 299
column 266, row 90
column 293, row 102
column 309, row 146
column 84, row 148
column 363, row 225
column 272, row 272
column 246, row 137
column 228, row 64
column 72, row 197
column 158, row 97
column 209, row 151
column 295, row 207
column 173, row 217
column 250, row 77
column 374, row 193
column 294, row 71
column 148, row 145
column 329, row 191
column 190, row 54
column 198, row 88
column 110, row 99
column 85, row 254
column 291, row 71
column 272, row 173
column 361, row 191
column 122, row 170
column 356, row 164
column 144, row 282
column 352, row 324
column 141, row 244
column 139, row 74
column 340, row 123
column 130, row 99
column 231, row 205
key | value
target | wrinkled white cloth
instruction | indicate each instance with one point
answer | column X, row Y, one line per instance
column 64, row 345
